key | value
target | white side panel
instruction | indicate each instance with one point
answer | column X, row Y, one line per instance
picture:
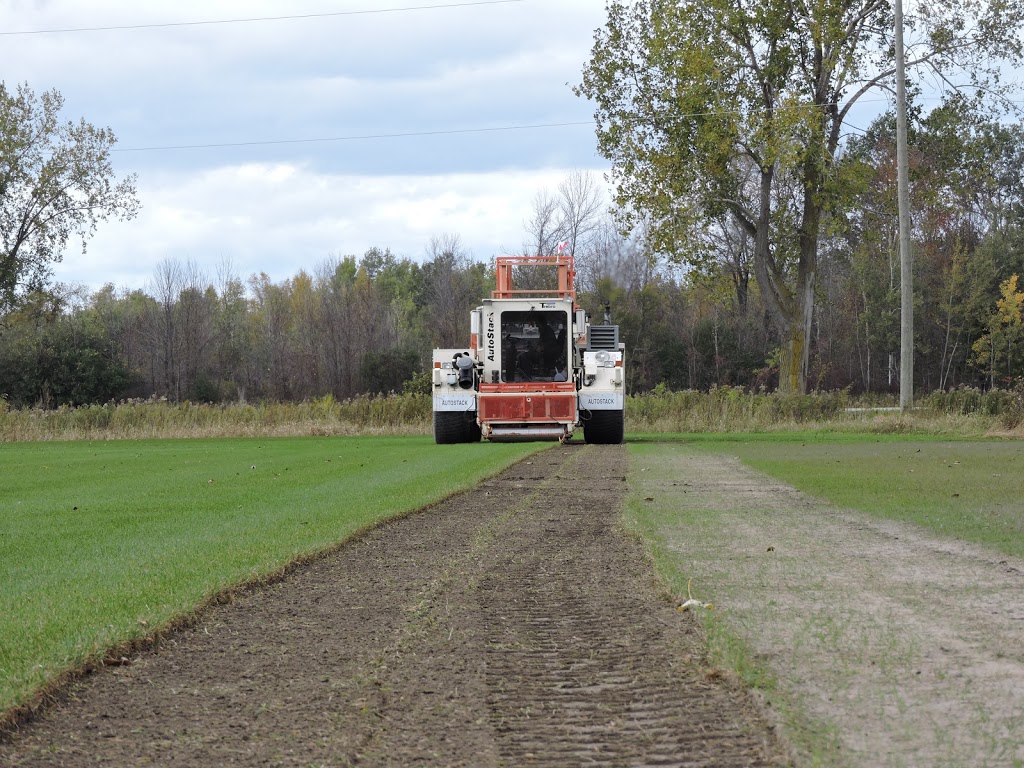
column 602, row 401
column 455, row 401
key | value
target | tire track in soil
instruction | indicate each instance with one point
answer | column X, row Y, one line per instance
column 583, row 667
column 511, row 625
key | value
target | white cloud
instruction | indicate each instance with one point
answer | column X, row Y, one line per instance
column 281, row 218
column 289, row 78
column 281, row 208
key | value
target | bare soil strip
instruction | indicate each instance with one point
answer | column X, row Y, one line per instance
column 512, row 625
column 906, row 647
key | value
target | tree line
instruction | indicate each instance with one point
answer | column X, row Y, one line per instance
column 750, row 241
column 732, row 121
column 367, row 324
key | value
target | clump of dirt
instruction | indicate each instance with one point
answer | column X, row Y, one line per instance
column 512, row 625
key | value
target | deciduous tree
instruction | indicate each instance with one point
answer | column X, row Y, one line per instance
column 1001, row 348
column 56, row 181
column 707, row 107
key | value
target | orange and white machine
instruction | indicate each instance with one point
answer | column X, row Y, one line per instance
column 535, row 367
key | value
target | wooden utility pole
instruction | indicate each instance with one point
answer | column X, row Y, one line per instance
column 903, row 195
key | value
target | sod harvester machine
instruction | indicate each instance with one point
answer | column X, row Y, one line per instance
column 535, row 369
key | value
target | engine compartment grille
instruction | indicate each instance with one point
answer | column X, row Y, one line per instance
column 603, row 337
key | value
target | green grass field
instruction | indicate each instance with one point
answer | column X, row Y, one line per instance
column 968, row 490
column 104, row 542
column 962, row 489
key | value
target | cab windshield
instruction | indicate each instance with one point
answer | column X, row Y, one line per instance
column 534, row 346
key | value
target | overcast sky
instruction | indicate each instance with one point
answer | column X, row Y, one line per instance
column 459, row 77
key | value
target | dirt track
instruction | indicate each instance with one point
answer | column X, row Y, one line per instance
column 514, row 625
column 898, row 647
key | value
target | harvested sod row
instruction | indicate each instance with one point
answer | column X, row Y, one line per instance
column 104, row 543
column 968, row 490
column 513, row 625
column 965, row 489
column 879, row 633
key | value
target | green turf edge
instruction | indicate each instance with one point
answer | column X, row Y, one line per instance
column 35, row 702
column 978, row 503
column 798, row 436
column 814, row 740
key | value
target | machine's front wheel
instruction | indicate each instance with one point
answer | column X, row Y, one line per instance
column 455, row 427
column 605, row 427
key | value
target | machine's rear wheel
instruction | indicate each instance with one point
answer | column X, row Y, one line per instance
column 604, row 427
column 455, row 427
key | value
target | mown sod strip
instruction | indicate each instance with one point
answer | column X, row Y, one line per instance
column 696, row 536
column 964, row 490
column 658, row 510
column 105, row 542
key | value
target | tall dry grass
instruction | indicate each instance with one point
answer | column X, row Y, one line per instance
column 392, row 414
column 964, row 412
column 728, row 409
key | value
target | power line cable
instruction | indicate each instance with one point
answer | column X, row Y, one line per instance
column 400, row 135
column 270, row 142
column 259, row 18
column 446, row 132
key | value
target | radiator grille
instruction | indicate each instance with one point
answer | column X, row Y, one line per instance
column 603, row 337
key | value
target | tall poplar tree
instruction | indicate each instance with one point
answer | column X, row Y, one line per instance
column 737, row 107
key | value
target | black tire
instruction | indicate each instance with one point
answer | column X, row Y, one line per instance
column 448, row 427
column 604, row 428
column 473, row 434
column 452, row 427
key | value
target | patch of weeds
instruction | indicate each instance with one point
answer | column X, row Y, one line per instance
column 816, row 741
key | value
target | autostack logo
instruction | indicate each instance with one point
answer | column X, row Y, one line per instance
column 490, row 336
